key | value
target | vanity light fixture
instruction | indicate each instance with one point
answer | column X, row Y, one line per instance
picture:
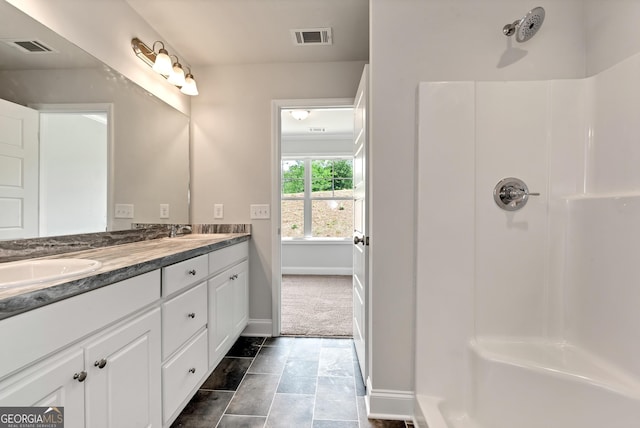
column 299, row 114
column 189, row 87
column 161, row 63
column 177, row 74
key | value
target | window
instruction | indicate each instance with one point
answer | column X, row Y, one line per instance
column 317, row 198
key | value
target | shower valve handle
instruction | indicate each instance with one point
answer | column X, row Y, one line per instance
column 511, row 194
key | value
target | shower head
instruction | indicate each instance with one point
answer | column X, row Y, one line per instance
column 526, row 27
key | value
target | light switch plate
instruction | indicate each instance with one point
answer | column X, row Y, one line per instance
column 260, row 211
column 124, row 211
column 164, row 210
column 218, row 210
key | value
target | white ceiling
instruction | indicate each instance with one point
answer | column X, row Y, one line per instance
column 321, row 123
column 208, row 32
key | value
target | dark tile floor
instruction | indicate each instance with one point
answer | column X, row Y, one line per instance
column 283, row 382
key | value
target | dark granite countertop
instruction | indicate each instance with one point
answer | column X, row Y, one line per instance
column 119, row 262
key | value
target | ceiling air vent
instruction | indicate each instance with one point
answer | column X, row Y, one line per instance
column 312, row 36
column 29, row 46
column 316, row 129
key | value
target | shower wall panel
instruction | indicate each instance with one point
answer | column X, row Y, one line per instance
column 512, row 138
column 602, row 290
column 446, row 233
column 614, row 152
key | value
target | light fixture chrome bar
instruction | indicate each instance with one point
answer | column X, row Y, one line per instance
column 144, row 52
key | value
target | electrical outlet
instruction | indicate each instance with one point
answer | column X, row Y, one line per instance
column 218, row 210
column 260, row 211
column 164, row 210
column 124, row 211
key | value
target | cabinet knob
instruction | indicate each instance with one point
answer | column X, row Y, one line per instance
column 191, row 315
column 192, row 370
column 100, row 363
column 192, row 272
column 232, row 277
column 80, row 377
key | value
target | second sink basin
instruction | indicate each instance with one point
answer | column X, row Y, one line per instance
column 16, row 274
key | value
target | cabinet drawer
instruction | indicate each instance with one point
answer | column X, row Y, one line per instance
column 182, row 316
column 228, row 256
column 183, row 274
column 183, row 373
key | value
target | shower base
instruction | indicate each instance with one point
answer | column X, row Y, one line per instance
column 531, row 384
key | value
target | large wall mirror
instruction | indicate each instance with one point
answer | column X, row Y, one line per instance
column 105, row 153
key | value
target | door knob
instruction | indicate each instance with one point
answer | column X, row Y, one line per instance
column 358, row 240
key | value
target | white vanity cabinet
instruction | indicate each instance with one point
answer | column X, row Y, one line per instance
column 132, row 353
column 184, row 333
column 228, row 298
column 123, row 382
column 97, row 354
column 50, row 383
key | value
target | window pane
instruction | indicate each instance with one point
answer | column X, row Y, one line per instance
column 321, row 189
column 332, row 219
column 293, row 177
column 343, row 168
column 292, row 219
column 293, row 188
column 343, row 188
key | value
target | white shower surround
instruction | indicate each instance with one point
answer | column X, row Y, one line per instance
column 528, row 318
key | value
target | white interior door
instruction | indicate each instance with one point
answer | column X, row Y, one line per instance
column 360, row 224
column 18, row 171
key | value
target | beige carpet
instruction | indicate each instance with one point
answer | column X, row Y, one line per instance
column 314, row 305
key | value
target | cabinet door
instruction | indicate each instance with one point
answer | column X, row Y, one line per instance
column 123, row 384
column 221, row 295
column 240, row 298
column 50, row 383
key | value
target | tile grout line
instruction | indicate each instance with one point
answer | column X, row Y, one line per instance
column 240, row 383
column 277, row 385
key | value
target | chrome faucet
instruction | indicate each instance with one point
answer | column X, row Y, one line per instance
column 177, row 229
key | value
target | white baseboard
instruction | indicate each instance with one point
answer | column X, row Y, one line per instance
column 259, row 327
column 317, row 271
column 389, row 404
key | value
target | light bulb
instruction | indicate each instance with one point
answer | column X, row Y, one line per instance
column 177, row 75
column 162, row 63
column 189, row 87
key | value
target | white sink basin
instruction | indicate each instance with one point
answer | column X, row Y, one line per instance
column 16, row 274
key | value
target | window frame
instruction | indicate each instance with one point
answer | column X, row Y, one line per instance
column 308, row 197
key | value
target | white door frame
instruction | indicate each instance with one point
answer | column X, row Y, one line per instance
column 276, row 152
column 93, row 108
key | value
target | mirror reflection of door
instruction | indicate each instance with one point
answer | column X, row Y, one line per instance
column 18, row 171
column 73, row 172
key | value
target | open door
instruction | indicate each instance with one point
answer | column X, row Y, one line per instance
column 18, row 171
column 360, row 224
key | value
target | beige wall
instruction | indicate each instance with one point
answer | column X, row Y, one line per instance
column 231, row 124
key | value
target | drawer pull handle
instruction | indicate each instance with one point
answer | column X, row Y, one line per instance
column 191, row 315
column 192, row 272
column 192, row 370
column 80, row 377
column 100, row 363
